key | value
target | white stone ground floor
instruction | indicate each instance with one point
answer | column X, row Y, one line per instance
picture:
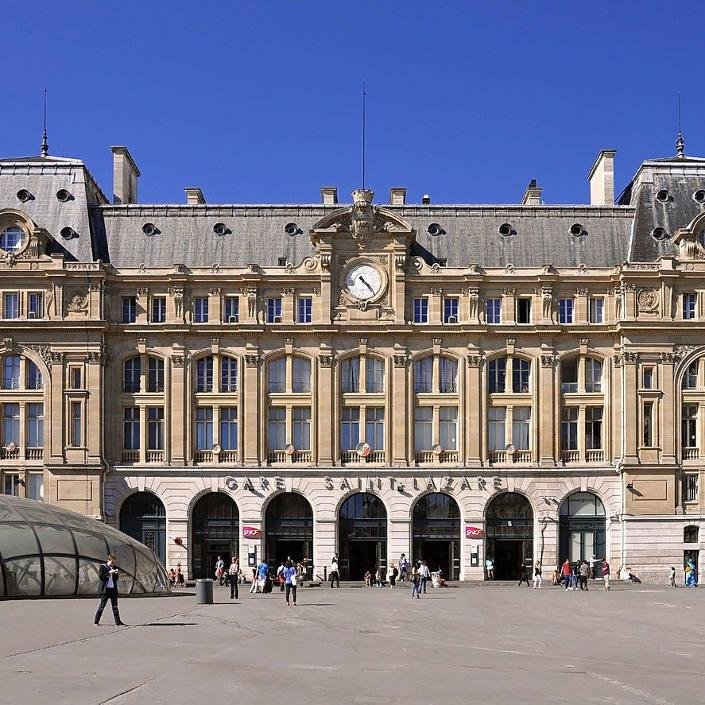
column 649, row 545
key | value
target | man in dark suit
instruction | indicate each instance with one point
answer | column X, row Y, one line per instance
column 108, row 590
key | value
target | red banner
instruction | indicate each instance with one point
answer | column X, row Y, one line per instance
column 250, row 532
column 474, row 532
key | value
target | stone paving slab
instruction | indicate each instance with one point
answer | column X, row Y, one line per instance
column 634, row 645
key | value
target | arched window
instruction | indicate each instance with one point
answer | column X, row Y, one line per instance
column 521, row 371
column 204, row 374
column 374, row 375
column 11, row 372
column 131, row 375
column 449, row 376
column 593, row 375
column 690, row 378
column 496, row 375
column 228, row 374
column 301, row 375
column 11, row 239
column 691, row 534
column 569, row 375
column 276, row 376
column 423, row 376
column 155, row 375
column 350, row 375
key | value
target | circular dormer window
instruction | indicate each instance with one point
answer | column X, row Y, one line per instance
column 577, row 230
column 505, row 230
column 660, row 234
column 11, row 239
column 24, row 195
column 662, row 195
column 699, row 196
column 149, row 229
column 63, row 195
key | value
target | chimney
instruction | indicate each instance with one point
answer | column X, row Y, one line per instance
column 125, row 175
column 194, row 196
column 601, row 178
column 532, row 195
column 329, row 194
column 425, row 200
column 397, row 196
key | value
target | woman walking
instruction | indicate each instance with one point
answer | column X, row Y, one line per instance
column 290, row 582
column 538, row 578
column 415, row 581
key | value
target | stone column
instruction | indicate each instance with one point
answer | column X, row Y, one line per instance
column 327, row 419
column 250, row 416
column 400, row 410
column 473, row 416
column 180, row 406
column 547, row 410
column 630, row 414
column 668, row 410
column 56, row 421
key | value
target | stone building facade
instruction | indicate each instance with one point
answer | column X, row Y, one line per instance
column 514, row 382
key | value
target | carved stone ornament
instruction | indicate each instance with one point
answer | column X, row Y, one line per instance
column 399, row 262
column 215, row 291
column 44, row 351
column 362, row 217
column 474, row 360
column 252, row 360
column 309, row 264
column 548, row 360
column 325, row 262
column 178, row 360
column 215, row 268
column 581, row 292
column 683, row 350
column 142, row 291
column 647, row 300
column 56, row 357
column 94, row 358
column 435, row 291
column 631, row 358
column 510, row 292
column 326, row 360
column 582, row 268
column 287, row 292
column 78, row 303
column 669, row 358
column 400, row 360
column 8, row 342
column 509, row 269
column 618, row 359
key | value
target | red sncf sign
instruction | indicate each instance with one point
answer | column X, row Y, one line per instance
column 474, row 532
column 250, row 532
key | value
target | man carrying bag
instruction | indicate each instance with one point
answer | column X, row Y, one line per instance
column 108, row 575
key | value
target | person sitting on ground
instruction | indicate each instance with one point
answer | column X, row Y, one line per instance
column 172, row 576
column 179, row 575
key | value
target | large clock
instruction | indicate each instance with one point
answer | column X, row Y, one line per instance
column 364, row 281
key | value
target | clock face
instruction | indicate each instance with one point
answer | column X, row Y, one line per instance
column 363, row 281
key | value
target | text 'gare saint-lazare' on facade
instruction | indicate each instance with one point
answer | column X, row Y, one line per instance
column 458, row 382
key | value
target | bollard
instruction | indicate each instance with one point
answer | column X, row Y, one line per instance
column 204, row 591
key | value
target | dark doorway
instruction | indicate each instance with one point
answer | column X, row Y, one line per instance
column 509, row 522
column 582, row 528
column 436, row 533
column 143, row 517
column 288, row 528
column 214, row 531
column 363, row 535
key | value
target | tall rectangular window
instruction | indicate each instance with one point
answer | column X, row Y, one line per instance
column 493, row 310
column 200, row 309
column 423, row 428
column 131, row 428
column 301, row 427
column 129, row 309
column 11, row 484
column 204, row 374
column 35, row 425
column 155, row 375
column 76, row 424
column 690, row 487
column 35, row 489
column 450, row 309
column 228, row 374
column 350, row 374
column 689, row 306
column 11, row 305
column 132, row 375
column 276, row 376
column 374, row 373
column 521, row 427
column 647, row 378
column 228, row 427
column 421, row 310
column 593, row 427
column 690, row 378
column 448, row 427
column 35, row 305
column 569, row 428
column 155, row 428
column 349, row 428
column 276, row 428
column 496, row 375
column 274, row 310
column 302, row 375
column 423, row 375
column 204, row 427
column 523, row 310
column 689, row 424
column 11, row 372
column 521, row 371
column 593, row 375
column 648, row 424
column 305, row 310
column 75, row 378
column 496, row 428
column 374, row 427
column 10, row 424
column 597, row 306
column 232, row 309
column 565, row 311
column 448, row 383
column 158, row 309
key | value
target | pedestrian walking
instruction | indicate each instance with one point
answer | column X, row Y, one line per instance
column 415, row 582
column 424, row 575
column 233, row 573
column 334, row 572
column 253, row 587
column 291, row 580
column 583, row 572
column 489, row 568
column 605, row 569
column 523, row 574
column 262, row 575
column 392, row 575
column 565, row 573
column 672, row 577
column 108, row 575
column 403, row 568
column 280, row 576
column 538, row 578
column 220, row 571
column 368, row 578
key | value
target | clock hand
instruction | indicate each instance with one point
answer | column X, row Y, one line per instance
column 364, row 281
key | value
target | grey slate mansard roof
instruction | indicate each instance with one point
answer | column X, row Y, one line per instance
column 256, row 233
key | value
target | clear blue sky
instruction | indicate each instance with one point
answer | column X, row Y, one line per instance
column 260, row 101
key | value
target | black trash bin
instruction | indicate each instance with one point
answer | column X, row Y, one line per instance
column 204, row 591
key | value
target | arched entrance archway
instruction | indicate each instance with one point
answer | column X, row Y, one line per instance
column 143, row 517
column 582, row 528
column 214, row 532
column 363, row 535
column 436, row 533
column 288, row 526
column 509, row 525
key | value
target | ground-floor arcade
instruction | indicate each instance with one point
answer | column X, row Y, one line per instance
column 455, row 521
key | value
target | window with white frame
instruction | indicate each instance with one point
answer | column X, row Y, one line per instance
column 421, row 310
column 35, row 305
column 274, row 310
column 423, row 428
column 11, row 484
column 521, row 427
column 593, row 427
column 374, row 375
column 228, row 374
column 301, row 427
column 11, row 372
column 131, row 428
column 276, row 428
column 204, row 428
column 450, row 309
column 155, row 375
column 276, row 376
column 374, row 427
column 129, row 309
column 11, row 305
column 10, row 424
column 565, row 311
column 76, row 430
column 593, row 375
column 228, row 427
column 204, row 374
column 597, row 307
column 521, row 375
column 350, row 375
column 523, row 310
column 349, row 428
column 232, row 309
column 35, row 486
column 304, row 312
column 493, row 310
column 448, row 383
column 423, row 375
column 158, row 309
column 448, row 427
column 689, row 305
column 569, row 428
column 496, row 423
column 200, row 309
column 301, row 374
column 155, row 428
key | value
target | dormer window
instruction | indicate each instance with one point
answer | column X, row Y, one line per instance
column 11, row 239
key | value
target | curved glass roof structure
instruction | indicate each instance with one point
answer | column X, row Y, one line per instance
column 46, row 551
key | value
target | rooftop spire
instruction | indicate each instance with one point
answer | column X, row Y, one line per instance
column 44, row 149
column 364, row 121
column 680, row 142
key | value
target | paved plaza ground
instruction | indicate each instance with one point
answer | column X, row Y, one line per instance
column 495, row 644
